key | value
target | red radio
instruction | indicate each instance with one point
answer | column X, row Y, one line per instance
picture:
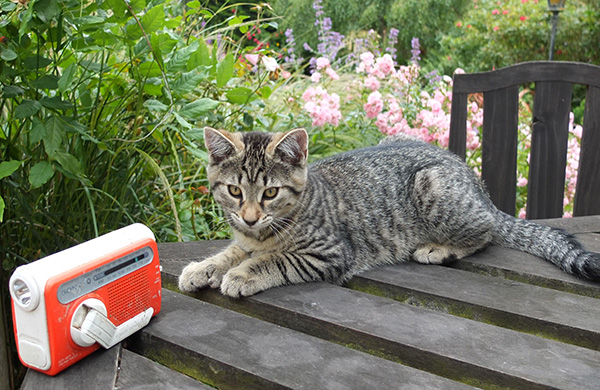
column 67, row 305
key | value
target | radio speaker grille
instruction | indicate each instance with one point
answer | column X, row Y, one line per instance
column 128, row 296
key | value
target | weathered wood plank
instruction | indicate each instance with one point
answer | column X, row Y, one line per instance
column 523, row 267
column 139, row 373
column 436, row 342
column 534, row 71
column 544, row 312
column 97, row 371
column 588, row 183
column 458, row 125
column 587, row 224
column 233, row 351
column 548, row 158
column 499, row 147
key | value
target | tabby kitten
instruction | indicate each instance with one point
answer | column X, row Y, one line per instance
column 398, row 201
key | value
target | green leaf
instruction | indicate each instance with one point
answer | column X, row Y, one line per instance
column 201, row 57
column 8, row 167
column 8, row 55
column 36, row 62
column 46, row 9
column 179, row 60
column 46, row 82
column 69, row 163
column 195, row 4
column 37, row 131
column 185, row 124
column 188, row 82
column 2, row 206
column 239, row 95
column 40, row 174
column 225, row 70
column 56, row 103
column 66, row 80
column 7, row 6
column 155, row 105
column 154, row 19
column 54, row 135
column 11, row 91
column 149, row 69
column 197, row 108
column 27, row 108
column 265, row 92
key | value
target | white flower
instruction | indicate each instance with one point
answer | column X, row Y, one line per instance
column 270, row 64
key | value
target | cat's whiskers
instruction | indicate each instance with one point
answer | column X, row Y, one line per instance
column 282, row 225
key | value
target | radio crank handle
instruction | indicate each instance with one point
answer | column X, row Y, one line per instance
column 97, row 326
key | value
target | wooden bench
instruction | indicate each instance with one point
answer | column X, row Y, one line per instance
column 498, row 319
column 554, row 83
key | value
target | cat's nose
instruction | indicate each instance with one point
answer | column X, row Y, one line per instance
column 250, row 223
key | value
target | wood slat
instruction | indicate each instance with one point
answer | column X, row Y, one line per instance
column 234, row 351
column 523, row 267
column 499, row 147
column 454, row 347
column 551, row 108
column 527, row 72
column 140, row 373
column 458, row 125
column 588, row 183
column 553, row 314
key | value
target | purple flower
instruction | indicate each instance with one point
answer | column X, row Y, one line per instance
column 392, row 41
column 416, row 51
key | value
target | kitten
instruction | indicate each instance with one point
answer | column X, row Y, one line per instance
column 398, row 201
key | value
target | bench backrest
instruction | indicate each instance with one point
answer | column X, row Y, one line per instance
column 551, row 107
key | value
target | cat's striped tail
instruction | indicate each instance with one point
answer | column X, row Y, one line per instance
column 555, row 245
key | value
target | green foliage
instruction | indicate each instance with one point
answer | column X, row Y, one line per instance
column 101, row 110
column 425, row 20
column 497, row 34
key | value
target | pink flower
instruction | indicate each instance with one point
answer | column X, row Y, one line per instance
column 522, row 182
column 505, row 12
column 458, row 24
column 322, row 62
column 495, row 12
column 383, row 66
column 331, row 73
column 496, row 28
column 252, row 58
column 315, row 77
column 367, row 59
column 322, row 107
column 372, row 83
column 523, row 18
column 374, row 105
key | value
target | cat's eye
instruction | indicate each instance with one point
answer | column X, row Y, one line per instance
column 234, row 191
column 270, row 193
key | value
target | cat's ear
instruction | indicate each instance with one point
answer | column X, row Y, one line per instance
column 291, row 147
column 221, row 144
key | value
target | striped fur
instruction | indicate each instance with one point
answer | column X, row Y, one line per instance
column 398, row 201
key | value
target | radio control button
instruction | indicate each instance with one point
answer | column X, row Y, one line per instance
column 33, row 354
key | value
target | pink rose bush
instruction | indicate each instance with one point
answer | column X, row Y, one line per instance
column 323, row 108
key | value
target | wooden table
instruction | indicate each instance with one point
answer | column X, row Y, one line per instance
column 498, row 319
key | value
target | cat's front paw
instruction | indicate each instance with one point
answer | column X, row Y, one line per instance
column 198, row 275
column 239, row 283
